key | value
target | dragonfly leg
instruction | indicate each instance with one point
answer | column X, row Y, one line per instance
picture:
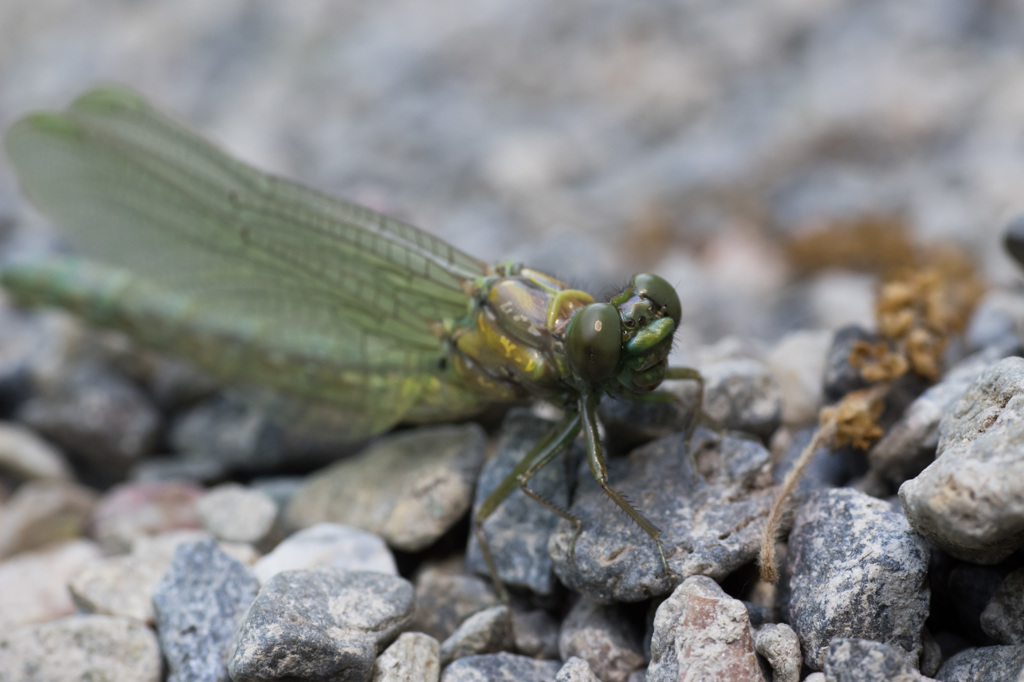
column 544, row 451
column 595, row 457
column 690, row 374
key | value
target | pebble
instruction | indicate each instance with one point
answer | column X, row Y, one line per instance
column 24, row 339
column 970, row 501
column 236, row 513
column 742, row 394
column 96, row 413
column 701, row 633
column 81, row 648
column 797, row 361
column 33, row 585
column 709, row 515
column 445, row 597
column 120, row 585
column 133, row 510
column 409, row 488
column 42, row 512
column 910, row 444
column 840, row 377
column 857, row 571
column 328, row 544
column 780, row 646
column 1003, row 617
column 26, row 456
column 503, row 667
column 536, row 633
column 485, row 632
column 863, row 660
column 199, row 604
column 983, row 663
column 322, row 623
column 413, row 657
column 576, row 670
column 998, row 319
column 520, row 528
column 602, row 636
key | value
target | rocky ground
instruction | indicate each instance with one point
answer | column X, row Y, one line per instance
column 778, row 162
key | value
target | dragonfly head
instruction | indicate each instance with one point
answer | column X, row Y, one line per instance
column 624, row 344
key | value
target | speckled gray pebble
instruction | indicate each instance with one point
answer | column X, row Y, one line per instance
column 857, row 571
column 328, row 544
column 413, row 657
column 199, row 605
column 409, row 487
column 602, row 636
column 485, row 632
column 970, row 501
column 742, row 394
column 81, row 648
column 862, row 660
column 318, row 624
column 701, row 633
column 707, row 515
column 120, row 585
column 536, row 633
column 1003, row 617
column 779, row 645
column 984, row 664
column 501, row 667
column 910, row 444
column 445, row 597
column 576, row 670
column 518, row 531
column 236, row 513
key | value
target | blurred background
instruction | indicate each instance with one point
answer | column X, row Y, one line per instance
column 707, row 142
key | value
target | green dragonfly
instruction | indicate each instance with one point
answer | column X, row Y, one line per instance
column 350, row 315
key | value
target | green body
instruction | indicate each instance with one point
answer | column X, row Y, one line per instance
column 358, row 319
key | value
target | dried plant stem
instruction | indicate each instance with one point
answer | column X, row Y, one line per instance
column 769, row 567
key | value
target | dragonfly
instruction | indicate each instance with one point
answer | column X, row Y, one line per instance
column 346, row 315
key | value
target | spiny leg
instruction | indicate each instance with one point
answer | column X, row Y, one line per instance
column 595, row 457
column 544, row 451
column 690, row 374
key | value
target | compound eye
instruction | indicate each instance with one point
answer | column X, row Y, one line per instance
column 594, row 342
column 661, row 292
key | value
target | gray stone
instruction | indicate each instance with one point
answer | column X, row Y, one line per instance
column 857, row 571
column 1003, row 617
column 797, row 361
column 970, row 501
column 780, row 646
column 702, row 633
column 501, row 667
column 131, row 511
column 741, row 394
column 33, row 585
column 120, row 585
column 409, row 488
column 322, row 623
column 25, row 339
column 709, row 516
column 24, row 455
column 840, row 376
column 413, row 657
column 485, row 632
column 199, row 604
column 80, row 648
column 910, row 444
column 862, row 660
column 43, row 512
column 576, row 670
column 519, row 529
column 601, row 635
column 236, row 513
column 97, row 414
column 995, row 663
column 445, row 597
column 998, row 319
column 328, row 544
column 536, row 633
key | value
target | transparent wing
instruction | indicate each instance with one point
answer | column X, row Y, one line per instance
column 253, row 277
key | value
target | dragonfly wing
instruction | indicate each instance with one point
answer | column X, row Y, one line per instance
column 266, row 281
